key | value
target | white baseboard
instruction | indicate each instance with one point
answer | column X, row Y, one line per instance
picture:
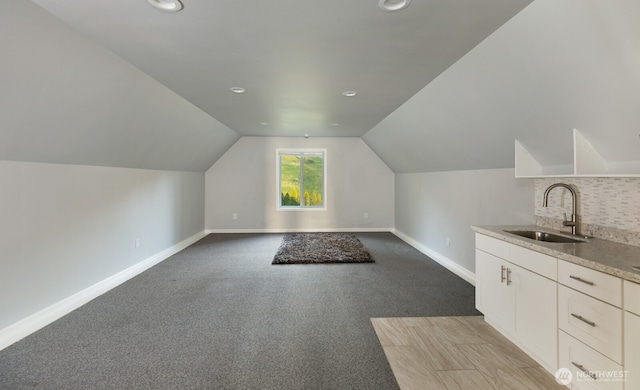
column 44, row 317
column 301, row 230
column 437, row 257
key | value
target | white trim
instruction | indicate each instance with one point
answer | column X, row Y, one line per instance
column 302, row 230
column 280, row 152
column 44, row 317
column 437, row 257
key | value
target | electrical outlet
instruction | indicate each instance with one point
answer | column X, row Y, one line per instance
column 136, row 243
column 235, row 216
column 366, row 215
column 448, row 242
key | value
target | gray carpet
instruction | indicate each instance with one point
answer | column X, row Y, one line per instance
column 319, row 248
column 218, row 315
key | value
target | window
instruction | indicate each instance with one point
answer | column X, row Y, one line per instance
column 301, row 179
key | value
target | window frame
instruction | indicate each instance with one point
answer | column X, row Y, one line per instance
column 301, row 151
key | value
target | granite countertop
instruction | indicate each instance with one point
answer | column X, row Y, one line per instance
column 601, row 255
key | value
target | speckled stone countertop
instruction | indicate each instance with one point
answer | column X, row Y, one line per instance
column 601, row 255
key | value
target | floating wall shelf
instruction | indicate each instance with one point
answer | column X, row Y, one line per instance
column 587, row 162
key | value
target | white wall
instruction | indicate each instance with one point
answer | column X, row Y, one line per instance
column 64, row 228
column 243, row 181
column 433, row 206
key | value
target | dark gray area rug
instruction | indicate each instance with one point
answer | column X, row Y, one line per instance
column 218, row 315
column 317, row 248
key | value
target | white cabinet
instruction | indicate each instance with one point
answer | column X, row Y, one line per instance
column 518, row 302
column 595, row 323
column 562, row 314
column 590, row 319
column 493, row 296
column 535, row 315
column 588, row 367
column 632, row 350
column 632, row 334
column 599, row 285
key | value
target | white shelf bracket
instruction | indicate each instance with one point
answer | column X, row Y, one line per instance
column 587, row 160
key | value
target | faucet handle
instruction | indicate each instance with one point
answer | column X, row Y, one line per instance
column 568, row 222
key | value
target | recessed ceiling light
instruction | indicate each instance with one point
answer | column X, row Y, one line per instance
column 334, row 124
column 264, row 124
column 237, row 89
column 166, row 5
column 393, row 5
column 349, row 93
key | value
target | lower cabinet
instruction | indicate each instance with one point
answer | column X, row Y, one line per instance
column 589, row 368
column 536, row 316
column 632, row 334
column 562, row 314
column 494, row 297
column 521, row 304
column 632, row 350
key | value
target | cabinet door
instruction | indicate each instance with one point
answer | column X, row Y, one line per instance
column 632, row 350
column 535, row 315
column 494, row 298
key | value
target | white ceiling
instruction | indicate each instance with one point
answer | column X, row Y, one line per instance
column 443, row 85
column 66, row 100
column 556, row 66
column 293, row 57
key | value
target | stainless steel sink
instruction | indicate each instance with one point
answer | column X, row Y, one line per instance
column 544, row 236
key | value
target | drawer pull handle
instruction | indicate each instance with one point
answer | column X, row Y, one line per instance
column 579, row 279
column 581, row 318
column 508, row 276
column 502, row 277
column 581, row 368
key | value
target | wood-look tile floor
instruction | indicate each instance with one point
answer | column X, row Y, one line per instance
column 456, row 353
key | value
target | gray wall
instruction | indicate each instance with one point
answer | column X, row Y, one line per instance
column 64, row 228
column 244, row 181
column 433, row 206
column 65, row 99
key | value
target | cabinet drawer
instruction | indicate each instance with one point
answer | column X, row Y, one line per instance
column 632, row 297
column 579, row 358
column 591, row 321
column 605, row 287
column 537, row 262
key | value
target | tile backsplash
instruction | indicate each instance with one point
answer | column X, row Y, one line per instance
column 608, row 207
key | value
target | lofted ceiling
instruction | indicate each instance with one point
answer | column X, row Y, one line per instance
column 442, row 85
column 558, row 65
column 294, row 58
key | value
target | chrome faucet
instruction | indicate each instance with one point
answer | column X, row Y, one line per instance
column 572, row 223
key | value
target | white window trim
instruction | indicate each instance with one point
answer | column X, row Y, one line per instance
column 324, row 179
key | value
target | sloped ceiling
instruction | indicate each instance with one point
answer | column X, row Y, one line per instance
column 118, row 83
column 293, row 57
column 64, row 99
column 556, row 66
